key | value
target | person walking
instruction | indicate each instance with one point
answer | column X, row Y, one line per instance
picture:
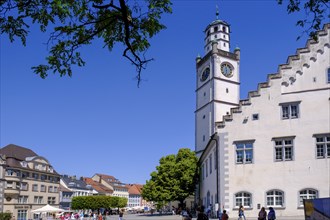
column 224, row 215
column 201, row 215
column 241, row 213
column 262, row 214
column 121, row 214
column 271, row 214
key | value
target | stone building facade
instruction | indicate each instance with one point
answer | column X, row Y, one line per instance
column 30, row 182
column 273, row 148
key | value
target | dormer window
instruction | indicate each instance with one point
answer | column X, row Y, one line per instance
column 50, row 169
column 24, row 164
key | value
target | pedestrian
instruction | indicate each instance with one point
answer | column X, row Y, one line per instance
column 121, row 215
column 201, row 215
column 224, row 215
column 271, row 214
column 262, row 214
column 81, row 216
column 100, row 217
column 241, row 213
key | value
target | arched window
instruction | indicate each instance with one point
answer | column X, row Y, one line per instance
column 244, row 199
column 208, row 199
column 275, row 198
column 307, row 194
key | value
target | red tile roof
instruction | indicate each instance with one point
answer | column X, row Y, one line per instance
column 99, row 187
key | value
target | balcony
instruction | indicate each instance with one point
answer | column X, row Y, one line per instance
column 12, row 178
column 11, row 191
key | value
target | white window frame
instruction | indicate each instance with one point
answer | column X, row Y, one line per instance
column 276, row 195
column 290, row 110
column 241, row 150
column 282, row 146
column 243, row 198
column 38, row 199
column 21, row 214
column 35, row 187
column 322, row 146
column 51, row 200
column 23, row 199
column 307, row 193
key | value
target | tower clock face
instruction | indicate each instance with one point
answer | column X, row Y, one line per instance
column 205, row 74
column 226, row 69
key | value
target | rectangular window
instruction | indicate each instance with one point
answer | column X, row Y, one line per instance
column 35, row 187
column 51, row 200
column 203, row 171
column 23, row 199
column 322, row 146
column 290, row 110
column 21, row 214
column 210, row 159
column 244, row 152
column 255, row 117
column 206, row 168
column 50, row 189
column 42, row 188
column 35, row 176
column 38, row 199
column 283, row 149
column 328, row 75
column 215, row 159
column 24, row 186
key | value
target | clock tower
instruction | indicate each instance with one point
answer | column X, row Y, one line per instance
column 217, row 82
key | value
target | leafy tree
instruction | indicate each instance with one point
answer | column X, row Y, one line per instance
column 315, row 12
column 5, row 216
column 96, row 202
column 79, row 23
column 175, row 178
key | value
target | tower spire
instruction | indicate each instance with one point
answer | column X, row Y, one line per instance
column 217, row 12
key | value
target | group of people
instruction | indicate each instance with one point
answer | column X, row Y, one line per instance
column 262, row 215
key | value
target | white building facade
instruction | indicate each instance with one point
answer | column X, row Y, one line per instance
column 272, row 149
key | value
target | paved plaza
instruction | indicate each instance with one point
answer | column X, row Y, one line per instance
column 178, row 217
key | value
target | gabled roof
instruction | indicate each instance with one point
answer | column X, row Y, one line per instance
column 17, row 152
column 108, row 178
column 114, row 182
column 64, row 189
column 99, row 187
column 134, row 189
column 73, row 183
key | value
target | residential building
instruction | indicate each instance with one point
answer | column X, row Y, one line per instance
column 76, row 185
column 135, row 198
column 2, row 180
column 119, row 189
column 30, row 182
column 98, row 188
column 273, row 148
column 65, row 197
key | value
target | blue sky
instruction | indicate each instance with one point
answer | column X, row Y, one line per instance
column 98, row 121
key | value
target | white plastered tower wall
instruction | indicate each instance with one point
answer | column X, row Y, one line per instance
column 216, row 93
column 302, row 80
